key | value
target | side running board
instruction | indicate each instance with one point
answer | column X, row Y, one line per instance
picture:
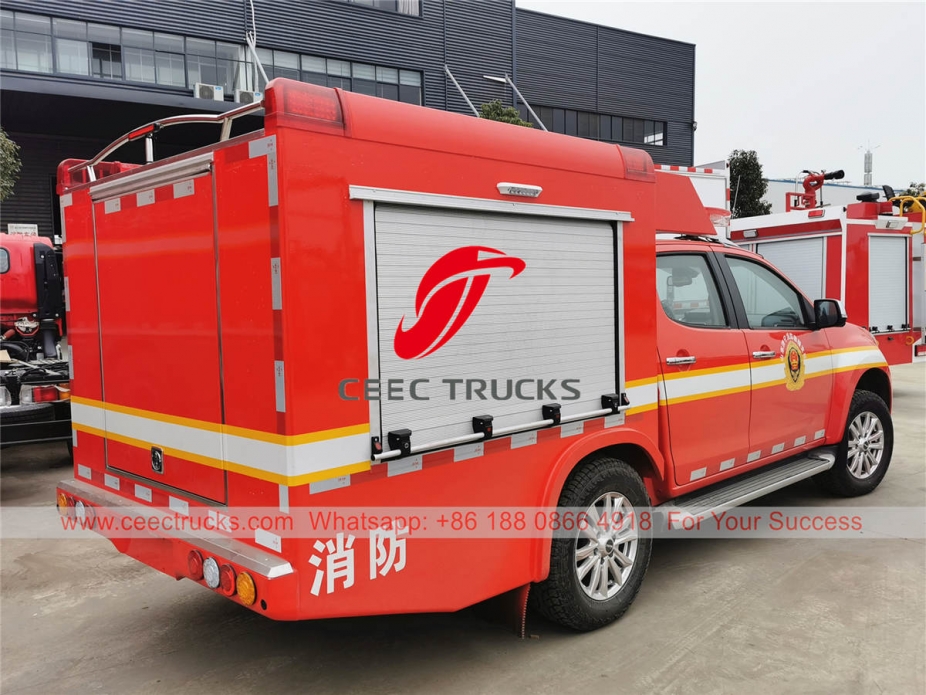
column 733, row 493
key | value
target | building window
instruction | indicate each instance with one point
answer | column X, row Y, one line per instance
column 599, row 126
column 35, row 43
column 106, row 61
column 410, row 7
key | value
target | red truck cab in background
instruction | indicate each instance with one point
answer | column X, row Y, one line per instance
column 376, row 305
column 34, row 386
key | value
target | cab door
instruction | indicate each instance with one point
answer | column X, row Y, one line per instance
column 705, row 374
column 790, row 362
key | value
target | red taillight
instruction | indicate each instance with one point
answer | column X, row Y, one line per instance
column 44, row 393
column 194, row 563
column 301, row 99
column 816, row 213
column 227, row 580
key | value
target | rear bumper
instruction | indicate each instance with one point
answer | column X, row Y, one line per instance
column 35, row 422
column 167, row 552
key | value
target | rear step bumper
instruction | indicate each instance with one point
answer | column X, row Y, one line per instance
column 241, row 554
column 727, row 495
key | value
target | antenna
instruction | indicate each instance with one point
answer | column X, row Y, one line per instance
column 868, row 160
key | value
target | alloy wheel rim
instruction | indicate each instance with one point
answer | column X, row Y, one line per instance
column 606, row 546
column 866, row 445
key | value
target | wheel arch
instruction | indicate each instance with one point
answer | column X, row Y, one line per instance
column 631, row 446
column 877, row 380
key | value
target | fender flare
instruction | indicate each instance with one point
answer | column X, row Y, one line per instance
column 843, row 390
column 566, row 463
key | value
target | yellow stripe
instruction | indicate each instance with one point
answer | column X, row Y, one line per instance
column 235, row 467
column 270, row 437
column 641, row 382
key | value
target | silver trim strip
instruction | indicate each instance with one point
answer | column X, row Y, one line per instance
column 388, row 195
column 152, row 178
column 229, row 549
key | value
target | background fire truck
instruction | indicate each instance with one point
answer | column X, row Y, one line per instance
column 34, row 377
column 866, row 254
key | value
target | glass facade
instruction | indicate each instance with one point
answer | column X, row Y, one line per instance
column 599, row 126
column 39, row 44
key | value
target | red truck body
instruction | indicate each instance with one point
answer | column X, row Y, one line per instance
column 228, row 306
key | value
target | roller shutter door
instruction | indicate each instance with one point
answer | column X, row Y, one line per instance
column 490, row 298
column 802, row 260
column 887, row 282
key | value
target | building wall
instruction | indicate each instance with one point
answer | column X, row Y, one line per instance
column 576, row 65
column 557, row 63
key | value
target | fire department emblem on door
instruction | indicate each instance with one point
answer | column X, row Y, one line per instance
column 792, row 351
column 447, row 295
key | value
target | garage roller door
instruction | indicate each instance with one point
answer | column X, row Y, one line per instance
column 802, row 260
column 887, row 282
column 471, row 298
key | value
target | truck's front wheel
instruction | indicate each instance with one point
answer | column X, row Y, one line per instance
column 597, row 567
column 865, row 451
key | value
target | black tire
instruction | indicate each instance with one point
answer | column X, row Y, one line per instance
column 840, row 480
column 560, row 597
column 70, row 448
column 28, row 412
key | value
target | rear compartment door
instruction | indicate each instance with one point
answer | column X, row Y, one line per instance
column 159, row 327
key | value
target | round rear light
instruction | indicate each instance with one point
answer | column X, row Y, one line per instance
column 80, row 510
column 194, row 561
column 227, row 580
column 247, row 592
column 211, row 573
column 62, row 504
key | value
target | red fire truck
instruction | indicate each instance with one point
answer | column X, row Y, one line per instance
column 866, row 254
column 34, row 390
column 377, row 305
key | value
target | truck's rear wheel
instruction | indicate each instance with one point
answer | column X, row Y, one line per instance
column 865, row 451
column 596, row 571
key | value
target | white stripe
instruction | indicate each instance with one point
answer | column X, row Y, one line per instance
column 858, row 358
column 284, row 498
column 84, row 471
column 143, row 198
column 332, row 484
column 819, row 434
column 778, row 448
column 727, row 465
column 111, row 481
column 698, row 473
column 704, row 384
column 268, row 540
column 73, row 439
column 66, row 200
column 268, row 457
column 184, row 188
column 143, row 493
column 753, row 456
column 800, row 441
column 818, row 364
column 112, row 205
column 523, row 439
column 402, row 466
column 640, row 396
column 615, row 420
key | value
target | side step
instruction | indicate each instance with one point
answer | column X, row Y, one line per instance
column 736, row 491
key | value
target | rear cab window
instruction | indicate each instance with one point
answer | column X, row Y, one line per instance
column 688, row 291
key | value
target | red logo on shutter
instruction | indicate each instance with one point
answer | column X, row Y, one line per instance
column 447, row 296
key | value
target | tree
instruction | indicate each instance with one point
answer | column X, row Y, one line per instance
column 914, row 189
column 495, row 111
column 9, row 165
column 747, row 185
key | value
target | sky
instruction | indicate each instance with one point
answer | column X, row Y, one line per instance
column 806, row 85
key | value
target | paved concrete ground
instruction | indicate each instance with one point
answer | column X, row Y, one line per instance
column 714, row 616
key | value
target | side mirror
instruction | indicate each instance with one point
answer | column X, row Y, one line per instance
column 829, row 313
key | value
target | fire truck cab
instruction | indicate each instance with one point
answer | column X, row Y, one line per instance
column 377, row 305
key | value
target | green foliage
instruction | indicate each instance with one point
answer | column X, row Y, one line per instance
column 914, row 189
column 9, row 165
column 495, row 111
column 747, row 185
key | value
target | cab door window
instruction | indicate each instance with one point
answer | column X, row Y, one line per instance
column 769, row 301
column 688, row 292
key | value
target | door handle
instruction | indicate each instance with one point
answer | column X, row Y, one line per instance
column 690, row 359
column 764, row 354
